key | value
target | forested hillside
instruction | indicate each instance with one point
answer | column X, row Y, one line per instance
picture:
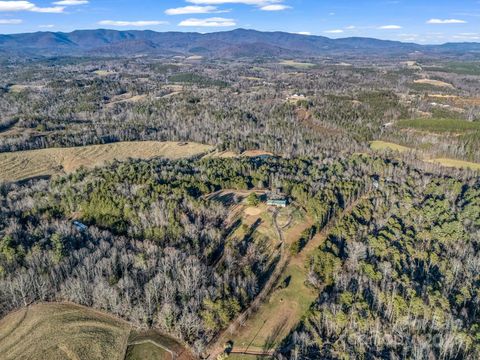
column 398, row 278
column 148, row 253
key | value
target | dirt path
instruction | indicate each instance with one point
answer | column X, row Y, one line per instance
column 20, row 321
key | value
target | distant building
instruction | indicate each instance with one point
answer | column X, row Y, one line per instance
column 277, row 202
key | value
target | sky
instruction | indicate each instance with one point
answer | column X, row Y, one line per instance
column 419, row 21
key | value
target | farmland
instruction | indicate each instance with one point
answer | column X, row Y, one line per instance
column 55, row 161
column 59, row 331
column 62, row 331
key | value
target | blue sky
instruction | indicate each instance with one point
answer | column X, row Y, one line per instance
column 421, row 21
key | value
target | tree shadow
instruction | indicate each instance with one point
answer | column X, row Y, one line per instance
column 275, row 335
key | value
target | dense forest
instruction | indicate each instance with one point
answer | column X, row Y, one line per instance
column 398, row 277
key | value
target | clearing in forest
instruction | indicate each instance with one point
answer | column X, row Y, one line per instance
column 151, row 345
column 104, row 72
column 297, row 65
column 65, row 331
column 459, row 164
column 22, row 165
column 447, row 162
column 62, row 331
column 439, row 125
column 436, row 83
column 384, row 145
column 289, row 298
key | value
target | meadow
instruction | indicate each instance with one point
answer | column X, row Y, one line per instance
column 22, row 165
column 62, row 331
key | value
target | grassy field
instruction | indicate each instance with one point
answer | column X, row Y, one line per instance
column 436, row 83
column 46, row 162
column 291, row 298
column 57, row 331
column 297, row 65
column 279, row 315
column 440, row 125
column 383, row 145
column 61, row 331
column 17, row 88
column 459, row 164
column 462, row 68
column 104, row 72
column 454, row 163
column 147, row 351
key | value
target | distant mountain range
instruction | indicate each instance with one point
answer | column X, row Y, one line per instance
column 227, row 44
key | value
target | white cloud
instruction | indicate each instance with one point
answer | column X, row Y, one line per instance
column 334, row 31
column 210, row 22
column 28, row 6
column 52, row 10
column 46, row 26
column 390, row 27
column 140, row 23
column 350, row 27
column 16, row 6
column 304, row 33
column 446, row 21
column 275, row 7
column 71, row 2
column 265, row 5
column 10, row 21
column 194, row 10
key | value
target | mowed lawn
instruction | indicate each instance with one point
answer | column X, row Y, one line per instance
column 21, row 165
column 62, row 331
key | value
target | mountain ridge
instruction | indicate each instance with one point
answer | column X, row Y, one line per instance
column 224, row 44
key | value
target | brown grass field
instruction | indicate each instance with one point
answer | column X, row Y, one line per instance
column 383, row 145
column 436, row 83
column 62, row 332
column 297, row 64
column 459, row 164
column 56, row 161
